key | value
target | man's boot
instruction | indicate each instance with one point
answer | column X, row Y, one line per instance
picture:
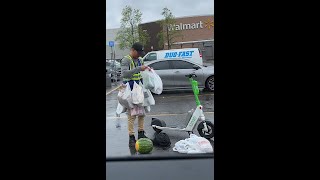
column 132, row 140
column 141, row 134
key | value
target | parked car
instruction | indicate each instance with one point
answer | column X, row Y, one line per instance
column 172, row 73
column 113, row 67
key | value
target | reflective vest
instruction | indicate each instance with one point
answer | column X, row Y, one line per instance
column 136, row 76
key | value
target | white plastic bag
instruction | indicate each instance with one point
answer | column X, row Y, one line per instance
column 148, row 98
column 199, row 144
column 120, row 109
column 157, row 83
column 194, row 144
column 124, row 96
column 147, row 109
column 137, row 94
column 181, row 146
column 148, row 79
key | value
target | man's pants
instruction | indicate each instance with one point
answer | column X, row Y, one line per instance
column 131, row 120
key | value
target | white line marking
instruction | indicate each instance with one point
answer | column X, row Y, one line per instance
column 185, row 96
column 123, row 117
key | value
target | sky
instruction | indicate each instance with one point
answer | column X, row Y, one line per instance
column 151, row 9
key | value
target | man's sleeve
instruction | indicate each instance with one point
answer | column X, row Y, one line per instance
column 126, row 73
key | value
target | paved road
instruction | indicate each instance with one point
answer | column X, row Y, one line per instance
column 170, row 106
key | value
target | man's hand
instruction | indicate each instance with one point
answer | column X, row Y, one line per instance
column 143, row 67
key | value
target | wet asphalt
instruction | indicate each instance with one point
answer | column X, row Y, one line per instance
column 172, row 107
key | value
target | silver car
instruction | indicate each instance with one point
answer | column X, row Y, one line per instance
column 172, row 73
column 113, row 67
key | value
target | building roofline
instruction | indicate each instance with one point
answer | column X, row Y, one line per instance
column 179, row 18
column 175, row 17
column 189, row 42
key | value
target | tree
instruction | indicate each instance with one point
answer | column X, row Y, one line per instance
column 130, row 32
column 168, row 33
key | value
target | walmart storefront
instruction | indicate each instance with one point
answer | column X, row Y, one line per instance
column 196, row 32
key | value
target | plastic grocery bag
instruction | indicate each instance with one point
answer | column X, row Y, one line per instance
column 181, row 146
column 137, row 94
column 137, row 111
column 194, row 144
column 147, row 109
column 124, row 96
column 120, row 109
column 152, row 81
column 148, row 98
column 157, row 83
column 148, row 79
column 199, row 144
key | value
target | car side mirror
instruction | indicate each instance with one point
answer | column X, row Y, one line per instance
column 196, row 67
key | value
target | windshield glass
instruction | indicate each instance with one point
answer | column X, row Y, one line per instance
column 167, row 111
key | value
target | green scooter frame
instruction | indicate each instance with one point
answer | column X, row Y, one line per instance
column 205, row 128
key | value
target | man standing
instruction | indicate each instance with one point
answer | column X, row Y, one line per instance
column 131, row 65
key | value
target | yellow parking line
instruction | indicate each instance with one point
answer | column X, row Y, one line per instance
column 114, row 117
column 112, row 90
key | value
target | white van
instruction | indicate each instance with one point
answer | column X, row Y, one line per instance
column 192, row 54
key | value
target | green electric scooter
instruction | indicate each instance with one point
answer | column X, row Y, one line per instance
column 205, row 128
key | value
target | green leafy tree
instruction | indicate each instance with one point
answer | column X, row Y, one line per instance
column 168, row 33
column 129, row 32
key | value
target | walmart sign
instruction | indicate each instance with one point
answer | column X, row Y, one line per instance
column 190, row 26
column 182, row 54
column 181, row 26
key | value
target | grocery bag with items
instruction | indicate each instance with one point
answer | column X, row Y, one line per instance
column 140, row 99
column 152, row 81
column 193, row 145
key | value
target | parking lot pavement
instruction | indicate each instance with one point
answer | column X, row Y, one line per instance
column 170, row 107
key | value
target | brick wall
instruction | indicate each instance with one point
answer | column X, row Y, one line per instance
column 204, row 33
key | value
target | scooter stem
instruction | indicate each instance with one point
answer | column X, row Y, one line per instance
column 195, row 90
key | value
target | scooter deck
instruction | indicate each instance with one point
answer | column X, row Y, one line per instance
column 171, row 128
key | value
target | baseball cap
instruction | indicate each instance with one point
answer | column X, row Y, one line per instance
column 139, row 48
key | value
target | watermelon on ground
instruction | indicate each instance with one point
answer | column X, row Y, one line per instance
column 144, row 146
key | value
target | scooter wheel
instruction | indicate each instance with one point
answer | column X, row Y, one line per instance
column 208, row 134
column 157, row 122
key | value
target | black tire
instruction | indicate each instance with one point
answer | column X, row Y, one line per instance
column 210, row 83
column 157, row 122
column 207, row 135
